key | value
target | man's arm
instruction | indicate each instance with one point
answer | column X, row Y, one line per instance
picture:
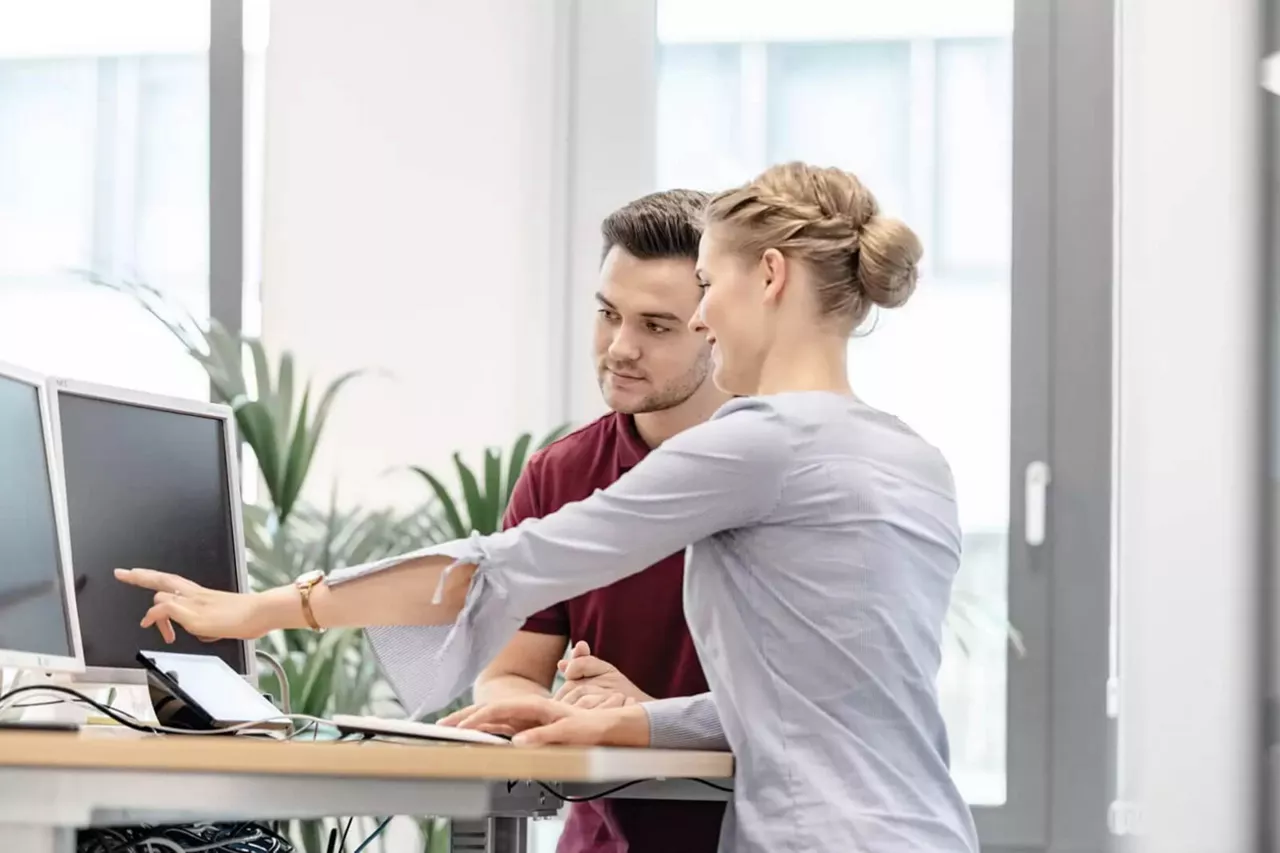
column 526, row 667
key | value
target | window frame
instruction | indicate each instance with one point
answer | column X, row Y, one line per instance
column 226, row 163
column 1060, row 736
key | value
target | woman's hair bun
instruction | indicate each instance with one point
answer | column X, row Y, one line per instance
column 886, row 261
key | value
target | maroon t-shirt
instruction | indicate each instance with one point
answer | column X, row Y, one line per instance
column 636, row 624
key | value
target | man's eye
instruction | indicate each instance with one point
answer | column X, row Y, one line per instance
column 608, row 315
column 656, row 329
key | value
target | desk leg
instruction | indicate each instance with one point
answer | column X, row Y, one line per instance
column 490, row 835
column 37, row 839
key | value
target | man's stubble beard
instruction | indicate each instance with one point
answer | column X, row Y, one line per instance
column 673, row 393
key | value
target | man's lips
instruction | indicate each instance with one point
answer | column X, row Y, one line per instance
column 625, row 376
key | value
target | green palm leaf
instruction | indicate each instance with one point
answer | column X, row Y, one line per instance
column 471, row 495
column 493, row 499
column 515, row 465
column 452, row 520
column 283, row 409
column 295, row 463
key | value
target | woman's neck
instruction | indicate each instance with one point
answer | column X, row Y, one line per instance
column 815, row 366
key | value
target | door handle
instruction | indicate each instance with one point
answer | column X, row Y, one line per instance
column 1270, row 73
column 1036, row 495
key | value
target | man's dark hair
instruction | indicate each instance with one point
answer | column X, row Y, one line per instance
column 661, row 225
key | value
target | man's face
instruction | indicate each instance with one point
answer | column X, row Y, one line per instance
column 647, row 359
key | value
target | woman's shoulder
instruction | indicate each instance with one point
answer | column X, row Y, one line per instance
column 793, row 408
column 748, row 428
column 819, row 420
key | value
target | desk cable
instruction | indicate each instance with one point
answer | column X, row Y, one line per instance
column 281, row 678
column 243, row 837
column 568, row 798
column 70, row 695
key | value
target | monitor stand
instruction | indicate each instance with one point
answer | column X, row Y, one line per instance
column 122, row 690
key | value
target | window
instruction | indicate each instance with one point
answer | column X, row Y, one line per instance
column 922, row 113
column 105, row 173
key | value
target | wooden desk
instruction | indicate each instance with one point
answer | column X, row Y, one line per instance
column 54, row 783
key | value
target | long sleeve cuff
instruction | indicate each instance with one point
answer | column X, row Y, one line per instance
column 685, row 722
column 429, row 666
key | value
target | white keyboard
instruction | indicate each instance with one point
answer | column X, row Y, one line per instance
column 380, row 726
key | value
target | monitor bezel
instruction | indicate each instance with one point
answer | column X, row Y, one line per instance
column 32, row 661
column 59, row 385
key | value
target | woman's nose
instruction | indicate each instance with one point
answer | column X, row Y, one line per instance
column 696, row 322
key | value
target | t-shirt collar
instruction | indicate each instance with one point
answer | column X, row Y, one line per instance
column 630, row 447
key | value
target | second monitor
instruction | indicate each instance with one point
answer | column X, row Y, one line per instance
column 39, row 631
column 150, row 483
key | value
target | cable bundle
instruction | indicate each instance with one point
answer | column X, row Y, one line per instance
column 188, row 838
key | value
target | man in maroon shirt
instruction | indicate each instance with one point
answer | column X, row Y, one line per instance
column 631, row 637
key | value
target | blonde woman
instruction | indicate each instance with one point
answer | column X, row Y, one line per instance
column 822, row 540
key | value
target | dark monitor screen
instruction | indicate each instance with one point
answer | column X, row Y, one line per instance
column 146, row 488
column 33, row 611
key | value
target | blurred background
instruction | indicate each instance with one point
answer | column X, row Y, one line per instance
column 413, row 188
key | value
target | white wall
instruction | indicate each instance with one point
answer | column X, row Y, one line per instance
column 612, row 160
column 408, row 226
column 1189, row 358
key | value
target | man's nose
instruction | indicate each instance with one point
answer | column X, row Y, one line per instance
column 623, row 347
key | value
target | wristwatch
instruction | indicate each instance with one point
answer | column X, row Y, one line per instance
column 305, row 583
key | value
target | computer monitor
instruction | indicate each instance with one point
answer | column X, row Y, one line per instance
column 151, row 483
column 38, row 623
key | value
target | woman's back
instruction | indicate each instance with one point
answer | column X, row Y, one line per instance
column 819, row 628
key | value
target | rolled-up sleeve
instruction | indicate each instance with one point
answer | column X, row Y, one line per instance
column 685, row 722
column 717, row 476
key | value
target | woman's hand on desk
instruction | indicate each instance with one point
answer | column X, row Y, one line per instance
column 540, row 721
column 205, row 613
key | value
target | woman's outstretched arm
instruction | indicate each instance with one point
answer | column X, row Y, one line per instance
column 723, row 474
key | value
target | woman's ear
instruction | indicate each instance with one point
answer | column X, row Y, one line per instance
column 774, row 266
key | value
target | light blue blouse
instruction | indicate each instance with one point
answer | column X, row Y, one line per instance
column 822, row 544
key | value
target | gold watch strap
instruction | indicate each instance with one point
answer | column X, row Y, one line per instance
column 307, row 612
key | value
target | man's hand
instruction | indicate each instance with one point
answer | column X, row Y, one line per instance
column 536, row 721
column 590, row 681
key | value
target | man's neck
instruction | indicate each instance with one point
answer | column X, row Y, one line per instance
column 657, row 427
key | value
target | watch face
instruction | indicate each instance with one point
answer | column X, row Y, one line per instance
column 309, row 578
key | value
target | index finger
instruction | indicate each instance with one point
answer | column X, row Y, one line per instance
column 457, row 716
column 157, row 581
column 482, row 715
column 516, row 713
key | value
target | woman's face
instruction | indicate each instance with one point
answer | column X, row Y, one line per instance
column 733, row 314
